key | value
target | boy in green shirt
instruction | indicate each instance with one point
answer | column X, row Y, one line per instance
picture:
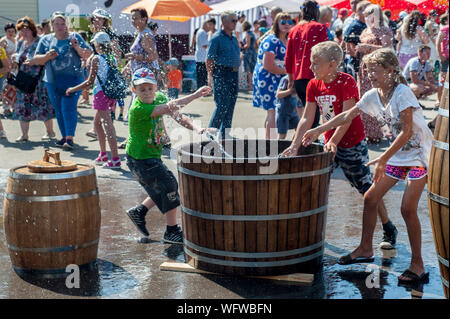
column 144, row 149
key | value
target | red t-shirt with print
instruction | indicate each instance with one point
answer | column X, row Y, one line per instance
column 330, row 99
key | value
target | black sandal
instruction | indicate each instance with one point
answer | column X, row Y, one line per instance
column 413, row 278
column 348, row 260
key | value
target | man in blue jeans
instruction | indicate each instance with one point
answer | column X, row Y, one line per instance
column 222, row 62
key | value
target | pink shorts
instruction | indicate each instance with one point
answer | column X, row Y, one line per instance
column 102, row 102
column 401, row 172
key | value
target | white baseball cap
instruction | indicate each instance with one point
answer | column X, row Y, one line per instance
column 101, row 38
column 101, row 13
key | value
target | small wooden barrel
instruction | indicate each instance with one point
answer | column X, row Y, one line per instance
column 256, row 213
column 51, row 220
column 438, row 189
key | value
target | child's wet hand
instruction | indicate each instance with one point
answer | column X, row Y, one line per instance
column 69, row 91
column 204, row 90
column 309, row 137
column 380, row 169
column 290, row 151
column 330, row 147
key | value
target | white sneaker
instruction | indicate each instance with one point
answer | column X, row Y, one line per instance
column 48, row 137
column 2, row 134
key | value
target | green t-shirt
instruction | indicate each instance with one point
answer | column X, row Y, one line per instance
column 145, row 132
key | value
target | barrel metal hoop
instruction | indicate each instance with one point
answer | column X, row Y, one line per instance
column 443, row 112
column 440, row 145
column 235, row 254
column 56, row 198
column 443, row 261
column 437, row 198
column 52, row 176
column 54, row 249
column 249, row 218
column 254, row 177
column 445, row 282
column 248, row 264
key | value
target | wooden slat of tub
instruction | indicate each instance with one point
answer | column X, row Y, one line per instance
column 216, row 187
column 305, row 204
column 315, row 200
column 272, row 206
column 239, row 209
column 294, row 195
column 251, row 207
column 283, row 206
column 262, row 193
column 227, row 209
column 194, row 200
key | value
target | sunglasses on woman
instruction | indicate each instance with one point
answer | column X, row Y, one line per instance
column 284, row 22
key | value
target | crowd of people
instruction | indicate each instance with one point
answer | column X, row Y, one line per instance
column 362, row 74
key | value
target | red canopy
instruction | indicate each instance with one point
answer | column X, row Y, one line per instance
column 395, row 5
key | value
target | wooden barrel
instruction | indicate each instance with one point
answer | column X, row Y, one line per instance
column 438, row 189
column 51, row 220
column 254, row 214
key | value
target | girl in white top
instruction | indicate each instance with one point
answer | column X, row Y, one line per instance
column 401, row 119
column 410, row 36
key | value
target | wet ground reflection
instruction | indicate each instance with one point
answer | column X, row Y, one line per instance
column 102, row 278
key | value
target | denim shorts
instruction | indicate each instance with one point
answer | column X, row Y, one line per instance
column 286, row 115
column 157, row 180
column 352, row 160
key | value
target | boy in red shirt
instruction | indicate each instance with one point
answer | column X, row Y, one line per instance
column 334, row 92
column 175, row 78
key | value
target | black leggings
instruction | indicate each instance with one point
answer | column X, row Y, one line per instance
column 300, row 88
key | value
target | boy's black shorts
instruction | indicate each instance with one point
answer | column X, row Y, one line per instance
column 157, row 180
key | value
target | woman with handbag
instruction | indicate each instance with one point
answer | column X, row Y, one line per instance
column 4, row 68
column 32, row 97
column 61, row 52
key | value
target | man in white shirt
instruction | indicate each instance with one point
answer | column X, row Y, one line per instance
column 419, row 74
column 200, row 54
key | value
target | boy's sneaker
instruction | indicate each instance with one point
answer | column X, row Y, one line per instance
column 174, row 237
column 137, row 216
column 389, row 239
column 2, row 134
column 101, row 159
column 68, row 145
column 113, row 116
column 120, row 117
column 114, row 164
column 60, row 143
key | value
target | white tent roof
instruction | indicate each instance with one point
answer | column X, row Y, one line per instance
column 239, row 5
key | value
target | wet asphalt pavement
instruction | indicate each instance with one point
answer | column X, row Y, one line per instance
column 128, row 269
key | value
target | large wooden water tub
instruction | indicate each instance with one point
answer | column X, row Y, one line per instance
column 254, row 213
column 438, row 189
column 51, row 220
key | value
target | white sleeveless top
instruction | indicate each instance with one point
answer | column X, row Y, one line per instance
column 410, row 46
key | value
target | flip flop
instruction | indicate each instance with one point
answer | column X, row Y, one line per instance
column 348, row 260
column 413, row 277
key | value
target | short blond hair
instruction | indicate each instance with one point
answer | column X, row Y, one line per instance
column 329, row 50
